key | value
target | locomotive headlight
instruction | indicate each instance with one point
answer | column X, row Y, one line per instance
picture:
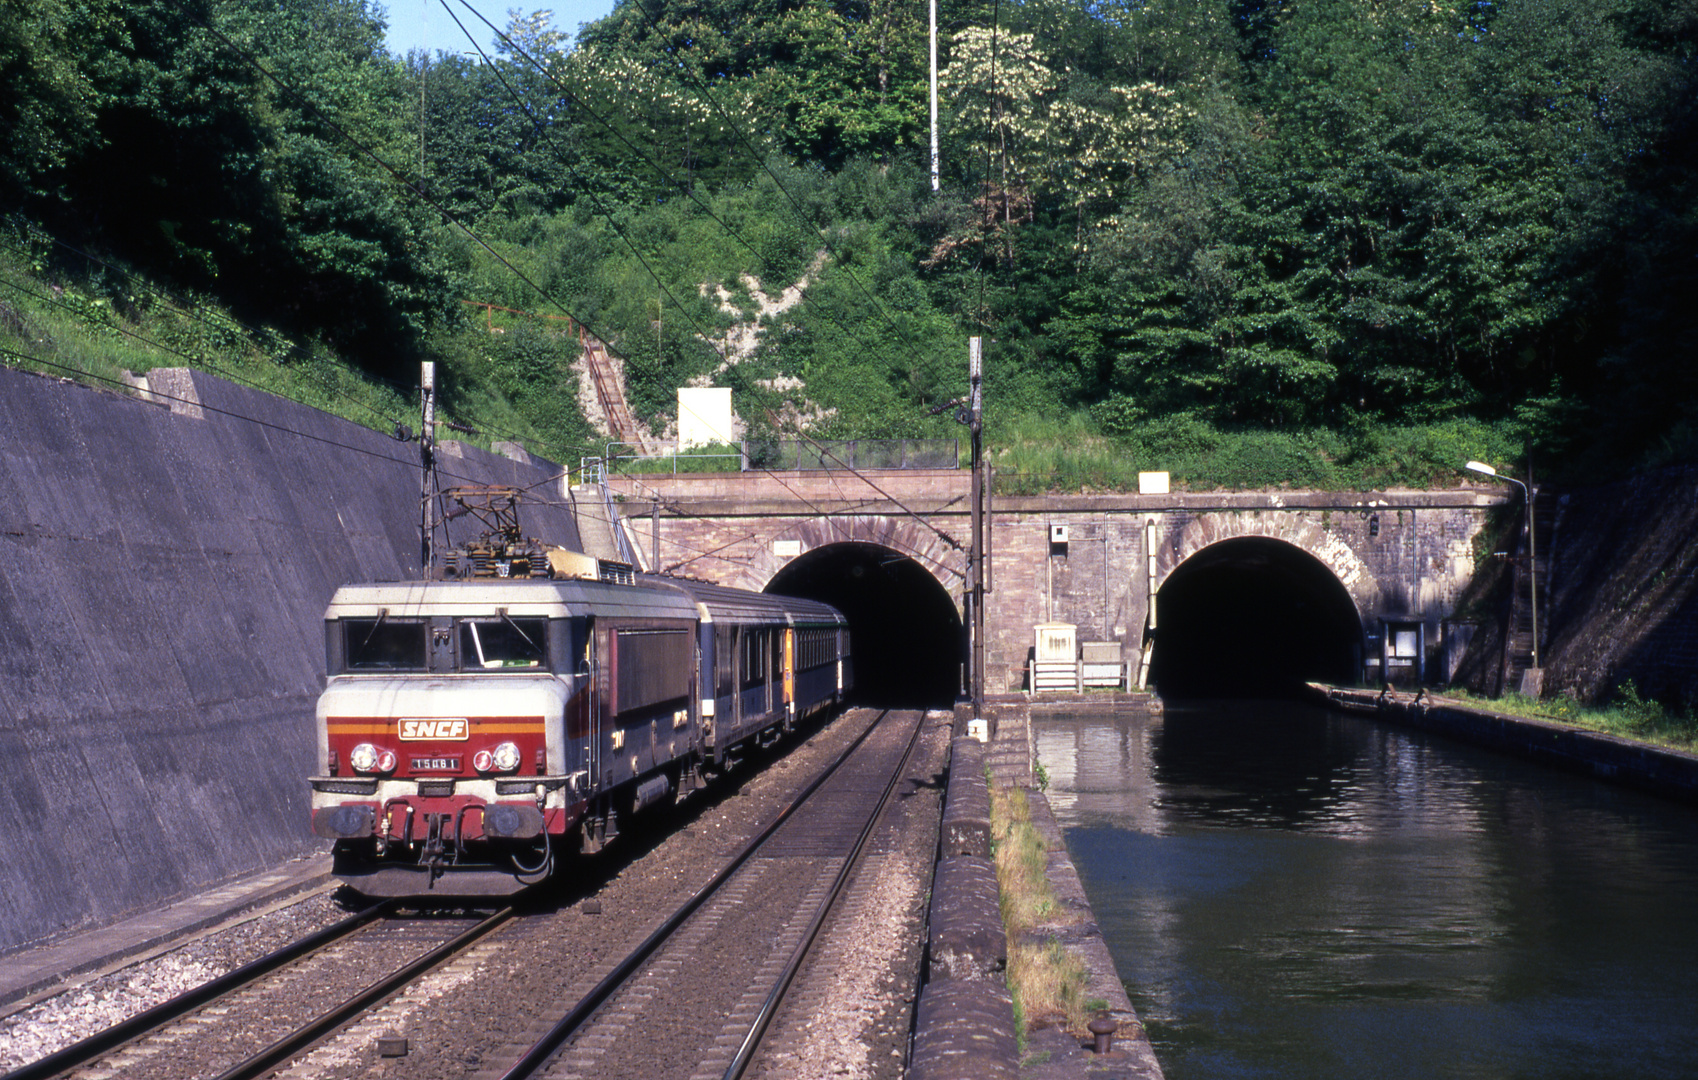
column 506, row 757
column 368, row 758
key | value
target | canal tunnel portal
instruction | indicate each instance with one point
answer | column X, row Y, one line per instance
column 1253, row 616
column 905, row 631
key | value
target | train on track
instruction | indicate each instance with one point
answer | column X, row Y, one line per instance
column 476, row 729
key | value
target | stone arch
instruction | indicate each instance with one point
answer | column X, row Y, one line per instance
column 906, row 629
column 901, row 535
column 1256, row 614
column 1305, row 531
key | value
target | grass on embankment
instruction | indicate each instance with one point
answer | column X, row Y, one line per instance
column 102, row 327
column 1046, row 981
column 1629, row 716
column 1046, row 452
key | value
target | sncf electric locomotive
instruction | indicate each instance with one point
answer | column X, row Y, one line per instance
column 474, row 731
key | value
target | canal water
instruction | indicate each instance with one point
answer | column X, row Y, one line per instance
column 1294, row 893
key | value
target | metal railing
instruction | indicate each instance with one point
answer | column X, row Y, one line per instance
column 674, row 463
column 793, row 455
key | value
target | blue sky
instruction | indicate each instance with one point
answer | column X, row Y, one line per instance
column 423, row 24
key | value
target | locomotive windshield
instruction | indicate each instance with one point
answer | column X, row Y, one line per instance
column 503, row 642
column 384, row 644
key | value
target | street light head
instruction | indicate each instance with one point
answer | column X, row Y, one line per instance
column 1480, row 467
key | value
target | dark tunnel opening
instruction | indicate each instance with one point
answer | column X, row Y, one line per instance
column 1253, row 617
column 905, row 631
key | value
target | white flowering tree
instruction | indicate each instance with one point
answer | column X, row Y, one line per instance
column 1040, row 140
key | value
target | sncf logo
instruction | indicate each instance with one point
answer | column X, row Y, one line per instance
column 417, row 730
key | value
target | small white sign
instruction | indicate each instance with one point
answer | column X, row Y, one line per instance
column 704, row 416
column 1152, row 483
column 787, row 549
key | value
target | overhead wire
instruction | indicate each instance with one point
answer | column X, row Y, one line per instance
column 802, row 216
column 192, row 312
column 373, row 156
column 543, row 134
column 689, row 190
column 448, row 216
column 384, row 165
column 71, row 369
column 144, row 339
column 517, row 50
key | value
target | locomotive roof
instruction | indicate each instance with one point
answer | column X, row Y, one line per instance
column 525, row 596
column 722, row 604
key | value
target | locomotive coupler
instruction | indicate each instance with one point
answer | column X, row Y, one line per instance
column 434, row 847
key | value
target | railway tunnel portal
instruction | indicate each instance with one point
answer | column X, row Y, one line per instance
column 904, row 628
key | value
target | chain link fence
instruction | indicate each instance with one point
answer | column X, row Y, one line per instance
column 813, row 455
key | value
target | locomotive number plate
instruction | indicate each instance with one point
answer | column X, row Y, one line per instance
column 436, row 764
column 413, row 730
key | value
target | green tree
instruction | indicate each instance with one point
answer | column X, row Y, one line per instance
column 53, row 55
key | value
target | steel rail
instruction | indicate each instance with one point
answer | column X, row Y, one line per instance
column 534, row 1058
column 285, row 1048
column 104, row 1042
column 769, row 1008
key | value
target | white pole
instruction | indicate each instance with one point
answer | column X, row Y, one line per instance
column 975, row 373
column 934, row 93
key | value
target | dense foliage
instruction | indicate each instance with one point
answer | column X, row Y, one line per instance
column 1253, row 241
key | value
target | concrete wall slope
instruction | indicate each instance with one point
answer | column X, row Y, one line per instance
column 1623, row 589
column 163, row 577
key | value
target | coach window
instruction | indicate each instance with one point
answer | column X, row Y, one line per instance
column 383, row 644
column 724, row 661
column 503, row 642
column 754, row 657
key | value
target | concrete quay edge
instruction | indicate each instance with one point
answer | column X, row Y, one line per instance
column 1051, row 1053
column 1063, row 1055
column 1655, row 770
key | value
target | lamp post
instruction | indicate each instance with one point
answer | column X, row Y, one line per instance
column 1532, row 543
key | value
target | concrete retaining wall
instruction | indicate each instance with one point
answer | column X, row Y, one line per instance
column 164, row 569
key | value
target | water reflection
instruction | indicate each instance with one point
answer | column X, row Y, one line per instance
column 1292, row 893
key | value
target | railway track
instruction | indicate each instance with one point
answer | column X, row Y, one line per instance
column 276, row 1002
column 697, row 996
column 733, row 947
